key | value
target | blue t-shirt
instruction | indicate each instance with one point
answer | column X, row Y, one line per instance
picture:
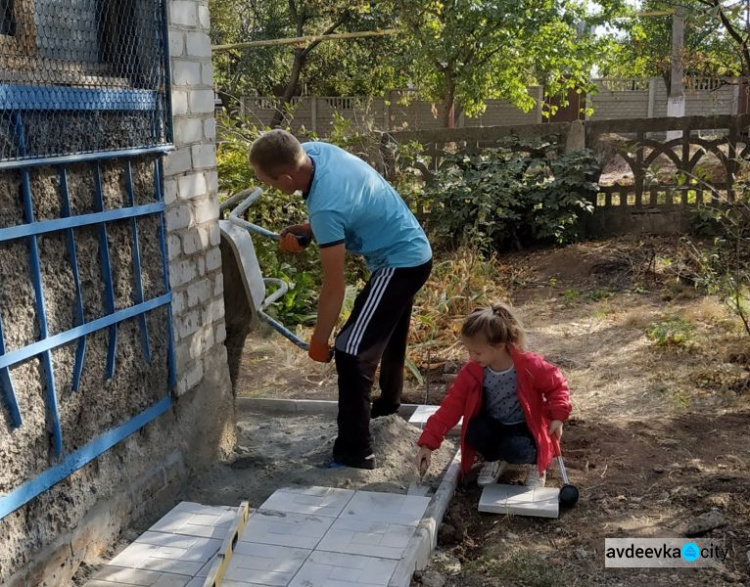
column 351, row 203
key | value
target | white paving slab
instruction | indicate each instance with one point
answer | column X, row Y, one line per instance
column 370, row 506
column 113, row 576
column 422, row 414
column 542, row 502
column 285, row 529
column 181, row 547
column 320, row 501
column 378, row 539
column 329, row 569
column 264, row 564
column 194, row 519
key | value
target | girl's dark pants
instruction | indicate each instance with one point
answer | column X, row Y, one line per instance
column 495, row 441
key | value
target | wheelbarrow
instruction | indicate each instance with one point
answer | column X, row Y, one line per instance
column 235, row 231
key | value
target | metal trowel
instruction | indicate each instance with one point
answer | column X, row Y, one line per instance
column 416, row 487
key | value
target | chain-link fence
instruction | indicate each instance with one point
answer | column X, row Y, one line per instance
column 81, row 76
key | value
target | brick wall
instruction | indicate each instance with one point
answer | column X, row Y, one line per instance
column 191, row 196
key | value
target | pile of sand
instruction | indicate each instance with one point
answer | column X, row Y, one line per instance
column 277, row 451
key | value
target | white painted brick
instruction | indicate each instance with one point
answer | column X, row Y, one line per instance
column 178, row 217
column 179, row 103
column 205, row 209
column 183, row 13
column 182, row 272
column 201, row 262
column 201, row 342
column 214, row 236
column 221, row 333
column 182, row 356
column 195, row 375
column 219, row 284
column 204, row 16
column 188, row 324
column 204, row 156
column 207, row 74
column 209, row 128
column 177, row 162
column 170, row 191
column 213, row 259
column 176, row 43
column 192, row 241
column 173, row 245
column 213, row 311
column 186, row 73
column 192, row 186
column 198, row 44
column 181, row 387
column 201, row 101
column 199, row 292
column 178, row 303
column 188, row 130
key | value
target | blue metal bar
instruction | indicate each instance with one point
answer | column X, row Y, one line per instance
column 137, row 264
column 37, row 228
column 37, row 348
column 109, row 289
column 165, row 272
column 6, row 385
column 36, row 275
column 18, row 97
column 84, row 157
column 27, row 491
column 80, row 317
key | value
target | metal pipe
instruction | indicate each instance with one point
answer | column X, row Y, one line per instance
column 109, row 289
column 81, row 348
column 83, row 157
column 137, row 263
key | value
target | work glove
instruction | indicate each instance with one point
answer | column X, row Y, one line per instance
column 295, row 238
column 320, row 351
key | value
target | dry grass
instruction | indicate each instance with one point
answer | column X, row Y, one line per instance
column 599, row 336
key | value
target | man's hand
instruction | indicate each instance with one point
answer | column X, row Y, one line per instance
column 556, row 428
column 320, row 351
column 295, row 238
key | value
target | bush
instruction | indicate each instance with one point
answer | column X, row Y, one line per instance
column 513, row 195
column 724, row 268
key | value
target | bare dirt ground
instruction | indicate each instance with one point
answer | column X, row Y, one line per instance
column 660, row 433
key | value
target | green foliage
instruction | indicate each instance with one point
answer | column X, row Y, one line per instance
column 335, row 68
column 724, row 268
column 645, row 44
column 512, row 195
column 672, row 331
column 464, row 52
column 273, row 211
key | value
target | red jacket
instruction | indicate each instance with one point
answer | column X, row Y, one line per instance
column 542, row 391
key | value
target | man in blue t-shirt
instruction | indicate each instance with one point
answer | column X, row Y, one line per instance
column 352, row 208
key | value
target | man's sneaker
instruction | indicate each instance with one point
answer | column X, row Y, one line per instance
column 533, row 479
column 367, row 462
column 490, row 472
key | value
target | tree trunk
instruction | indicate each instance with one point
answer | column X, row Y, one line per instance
column 449, row 107
column 300, row 56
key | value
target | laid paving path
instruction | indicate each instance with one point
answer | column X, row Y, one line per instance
column 300, row 537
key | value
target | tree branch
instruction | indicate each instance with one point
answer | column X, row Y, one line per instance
column 341, row 20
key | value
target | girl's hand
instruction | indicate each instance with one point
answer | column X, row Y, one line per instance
column 556, row 427
column 424, row 456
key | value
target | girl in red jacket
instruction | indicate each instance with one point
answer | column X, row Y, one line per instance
column 511, row 401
